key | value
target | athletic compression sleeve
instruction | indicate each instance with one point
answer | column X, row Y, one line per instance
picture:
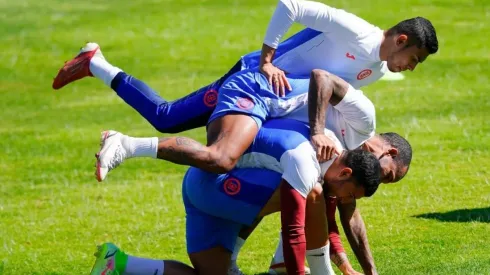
column 333, row 230
column 293, row 206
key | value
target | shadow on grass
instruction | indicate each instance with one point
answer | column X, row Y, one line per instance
column 460, row 215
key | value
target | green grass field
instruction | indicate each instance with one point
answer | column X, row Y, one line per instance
column 53, row 212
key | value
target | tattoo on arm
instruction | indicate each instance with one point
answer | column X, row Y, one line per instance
column 339, row 258
column 355, row 231
column 187, row 142
column 180, row 150
column 324, row 89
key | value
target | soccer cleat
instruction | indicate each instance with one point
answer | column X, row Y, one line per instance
column 112, row 153
column 78, row 67
column 105, row 262
column 280, row 269
column 234, row 269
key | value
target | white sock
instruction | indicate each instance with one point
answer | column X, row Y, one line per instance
column 319, row 260
column 142, row 266
column 102, row 70
column 278, row 256
column 238, row 245
column 141, row 147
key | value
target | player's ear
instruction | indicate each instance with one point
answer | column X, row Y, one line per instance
column 393, row 152
column 401, row 40
column 345, row 173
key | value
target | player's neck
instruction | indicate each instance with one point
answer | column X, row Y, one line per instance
column 374, row 145
column 384, row 48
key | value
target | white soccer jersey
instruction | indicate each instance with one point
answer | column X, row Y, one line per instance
column 347, row 46
column 352, row 120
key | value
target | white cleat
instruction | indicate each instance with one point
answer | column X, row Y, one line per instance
column 112, row 153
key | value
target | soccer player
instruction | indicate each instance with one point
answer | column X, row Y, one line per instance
column 244, row 103
column 334, row 40
column 212, row 202
column 347, row 46
column 394, row 153
column 392, row 150
column 338, row 42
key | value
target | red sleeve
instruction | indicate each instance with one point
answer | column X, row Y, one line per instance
column 293, row 207
column 333, row 230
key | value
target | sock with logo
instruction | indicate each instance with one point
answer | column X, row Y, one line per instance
column 319, row 260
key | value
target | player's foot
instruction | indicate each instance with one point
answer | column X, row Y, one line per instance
column 110, row 260
column 280, row 269
column 112, row 153
column 78, row 67
column 234, row 269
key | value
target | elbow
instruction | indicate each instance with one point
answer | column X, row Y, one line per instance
column 319, row 74
column 315, row 195
column 322, row 79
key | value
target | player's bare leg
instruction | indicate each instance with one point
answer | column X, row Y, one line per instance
column 214, row 261
column 228, row 138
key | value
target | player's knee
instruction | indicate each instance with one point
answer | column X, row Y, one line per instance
column 222, row 162
column 163, row 124
column 319, row 74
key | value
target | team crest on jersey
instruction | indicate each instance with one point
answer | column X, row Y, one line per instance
column 245, row 103
column 232, row 186
column 364, row 73
column 211, row 98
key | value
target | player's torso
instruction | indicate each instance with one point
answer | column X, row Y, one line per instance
column 276, row 137
column 346, row 56
column 334, row 120
column 283, row 145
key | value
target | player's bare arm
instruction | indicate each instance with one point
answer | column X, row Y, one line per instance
column 316, row 224
column 342, row 262
column 275, row 76
column 355, row 231
column 325, row 88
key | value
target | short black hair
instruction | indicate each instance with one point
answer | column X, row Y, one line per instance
column 402, row 145
column 366, row 170
column 420, row 32
column 404, row 157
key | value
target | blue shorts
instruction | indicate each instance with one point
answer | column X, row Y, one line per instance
column 242, row 93
column 219, row 205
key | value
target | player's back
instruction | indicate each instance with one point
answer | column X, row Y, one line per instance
column 283, row 145
column 346, row 46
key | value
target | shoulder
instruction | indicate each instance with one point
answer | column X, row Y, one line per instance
column 351, row 25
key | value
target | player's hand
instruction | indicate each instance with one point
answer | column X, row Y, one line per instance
column 276, row 77
column 347, row 269
column 351, row 272
column 324, row 146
